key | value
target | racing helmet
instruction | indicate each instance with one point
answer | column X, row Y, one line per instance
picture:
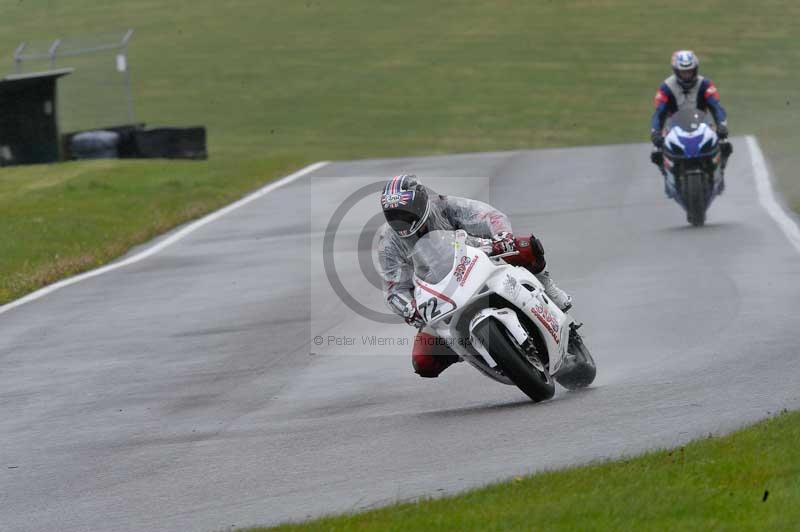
column 685, row 66
column 405, row 205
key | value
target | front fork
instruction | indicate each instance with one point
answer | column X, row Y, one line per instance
column 671, row 187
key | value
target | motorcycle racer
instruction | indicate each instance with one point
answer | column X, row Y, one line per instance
column 686, row 88
column 411, row 212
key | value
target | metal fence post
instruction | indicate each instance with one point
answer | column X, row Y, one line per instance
column 128, row 88
column 52, row 52
column 18, row 57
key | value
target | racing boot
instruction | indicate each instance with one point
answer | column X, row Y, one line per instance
column 562, row 299
column 667, row 190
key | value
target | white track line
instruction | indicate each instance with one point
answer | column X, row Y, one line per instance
column 766, row 195
column 167, row 241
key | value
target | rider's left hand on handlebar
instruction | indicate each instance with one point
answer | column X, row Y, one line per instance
column 503, row 243
column 414, row 319
column 656, row 138
column 412, row 315
column 722, row 130
column 406, row 306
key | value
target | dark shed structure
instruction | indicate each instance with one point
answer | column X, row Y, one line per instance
column 28, row 118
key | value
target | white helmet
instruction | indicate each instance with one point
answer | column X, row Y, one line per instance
column 685, row 66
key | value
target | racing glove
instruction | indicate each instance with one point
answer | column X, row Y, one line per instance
column 503, row 243
column 407, row 308
column 656, row 138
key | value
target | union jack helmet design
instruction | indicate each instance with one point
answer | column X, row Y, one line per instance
column 685, row 66
column 405, row 204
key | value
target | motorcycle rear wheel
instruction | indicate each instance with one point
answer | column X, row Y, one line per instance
column 579, row 370
column 536, row 383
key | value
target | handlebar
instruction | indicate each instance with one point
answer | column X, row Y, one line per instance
column 504, row 255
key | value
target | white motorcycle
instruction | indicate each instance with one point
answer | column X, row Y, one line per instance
column 497, row 316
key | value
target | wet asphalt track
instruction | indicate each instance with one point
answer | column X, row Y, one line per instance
column 180, row 393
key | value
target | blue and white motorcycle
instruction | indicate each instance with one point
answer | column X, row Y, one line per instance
column 693, row 163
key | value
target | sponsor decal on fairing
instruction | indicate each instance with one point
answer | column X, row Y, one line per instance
column 548, row 320
column 462, row 270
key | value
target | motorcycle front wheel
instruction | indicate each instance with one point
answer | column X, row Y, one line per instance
column 529, row 374
column 696, row 199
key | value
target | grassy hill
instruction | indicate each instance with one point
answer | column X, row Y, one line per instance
column 281, row 84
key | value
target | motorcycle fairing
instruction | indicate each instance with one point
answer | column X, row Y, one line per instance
column 442, row 303
column 689, row 144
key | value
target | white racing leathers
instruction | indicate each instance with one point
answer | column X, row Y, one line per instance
column 479, row 220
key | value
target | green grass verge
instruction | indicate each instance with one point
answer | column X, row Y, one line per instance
column 280, row 84
column 62, row 220
column 748, row 480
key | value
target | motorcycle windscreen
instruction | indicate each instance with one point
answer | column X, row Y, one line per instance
column 688, row 119
column 433, row 256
